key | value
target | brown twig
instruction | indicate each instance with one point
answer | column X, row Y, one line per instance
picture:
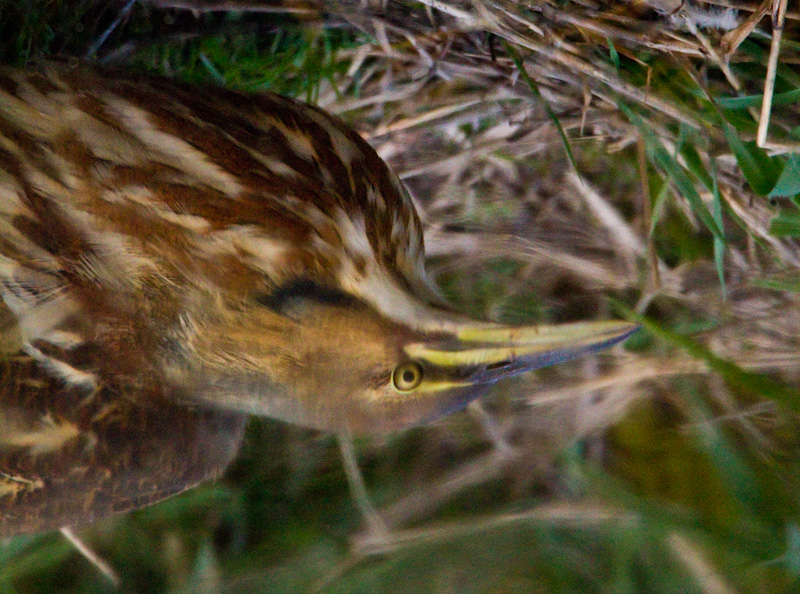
column 778, row 19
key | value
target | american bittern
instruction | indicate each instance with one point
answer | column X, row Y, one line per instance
column 174, row 257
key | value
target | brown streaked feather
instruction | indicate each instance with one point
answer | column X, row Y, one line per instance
column 130, row 207
column 164, row 246
column 10, row 339
column 130, row 184
column 67, row 459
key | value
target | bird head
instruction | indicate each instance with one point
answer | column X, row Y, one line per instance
column 320, row 357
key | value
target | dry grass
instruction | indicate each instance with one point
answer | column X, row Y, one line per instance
column 651, row 208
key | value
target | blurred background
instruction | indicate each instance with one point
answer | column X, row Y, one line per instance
column 571, row 159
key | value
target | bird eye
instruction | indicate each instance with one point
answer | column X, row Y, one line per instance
column 407, row 376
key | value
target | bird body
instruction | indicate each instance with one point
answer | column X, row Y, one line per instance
column 169, row 251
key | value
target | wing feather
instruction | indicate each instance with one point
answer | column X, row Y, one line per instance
column 66, row 459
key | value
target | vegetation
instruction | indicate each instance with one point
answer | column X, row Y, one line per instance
column 571, row 160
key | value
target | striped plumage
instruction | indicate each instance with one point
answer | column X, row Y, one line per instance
column 174, row 203
column 163, row 246
column 67, row 460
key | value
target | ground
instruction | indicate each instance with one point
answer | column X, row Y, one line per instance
column 570, row 160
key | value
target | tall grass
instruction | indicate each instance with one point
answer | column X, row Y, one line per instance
column 570, row 160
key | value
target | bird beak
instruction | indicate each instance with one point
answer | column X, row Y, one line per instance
column 481, row 354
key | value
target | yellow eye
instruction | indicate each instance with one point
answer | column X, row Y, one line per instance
column 407, row 376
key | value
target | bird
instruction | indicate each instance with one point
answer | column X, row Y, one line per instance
column 175, row 258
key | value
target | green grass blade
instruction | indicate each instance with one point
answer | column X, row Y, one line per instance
column 777, row 284
column 786, row 223
column 740, row 481
column 658, row 205
column 747, row 101
column 694, row 163
column 659, row 155
column 612, row 51
column 719, row 245
column 748, row 381
column 760, row 170
column 788, row 183
column 535, row 90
